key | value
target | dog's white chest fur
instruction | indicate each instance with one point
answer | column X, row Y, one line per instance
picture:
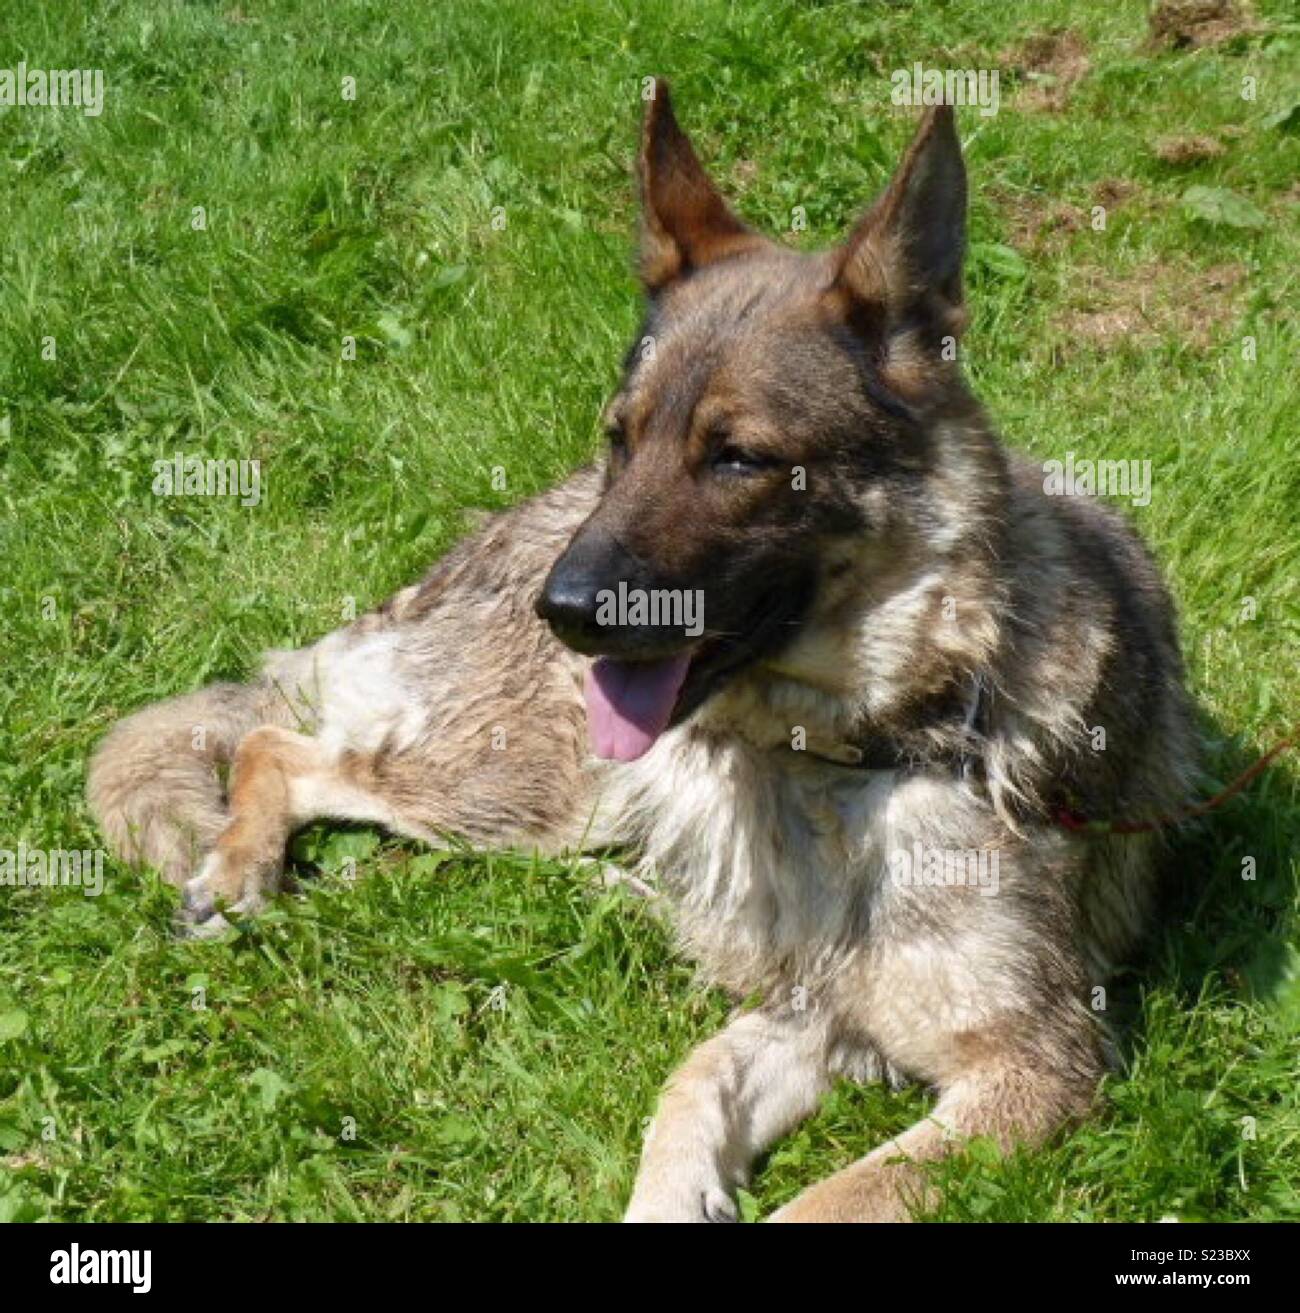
column 782, row 874
column 776, row 863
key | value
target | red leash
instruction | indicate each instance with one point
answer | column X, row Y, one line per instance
column 1076, row 822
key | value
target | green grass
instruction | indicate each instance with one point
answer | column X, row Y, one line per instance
column 355, row 1055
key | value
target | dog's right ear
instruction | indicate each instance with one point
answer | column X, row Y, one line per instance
column 685, row 223
column 901, row 266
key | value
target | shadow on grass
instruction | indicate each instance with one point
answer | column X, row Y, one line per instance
column 1228, row 890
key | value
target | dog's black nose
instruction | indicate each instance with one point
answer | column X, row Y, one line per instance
column 581, row 600
column 579, row 581
column 568, row 603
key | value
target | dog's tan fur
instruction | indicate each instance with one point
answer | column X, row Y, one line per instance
column 946, row 607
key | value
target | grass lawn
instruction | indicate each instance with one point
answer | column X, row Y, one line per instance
column 483, row 1037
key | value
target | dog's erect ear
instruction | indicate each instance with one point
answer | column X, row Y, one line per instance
column 685, row 223
column 902, row 263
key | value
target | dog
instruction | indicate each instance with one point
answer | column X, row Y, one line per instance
column 810, row 642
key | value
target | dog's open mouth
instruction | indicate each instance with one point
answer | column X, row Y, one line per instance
column 631, row 703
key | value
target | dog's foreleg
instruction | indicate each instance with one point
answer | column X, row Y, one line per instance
column 1016, row 1101
column 279, row 781
column 732, row 1097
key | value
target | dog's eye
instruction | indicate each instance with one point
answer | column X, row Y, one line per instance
column 731, row 459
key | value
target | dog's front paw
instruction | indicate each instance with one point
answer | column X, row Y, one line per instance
column 707, row 1204
column 222, row 885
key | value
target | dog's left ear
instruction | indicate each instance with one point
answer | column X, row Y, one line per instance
column 685, row 223
column 901, row 266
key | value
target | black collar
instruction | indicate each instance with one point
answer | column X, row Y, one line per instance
column 875, row 751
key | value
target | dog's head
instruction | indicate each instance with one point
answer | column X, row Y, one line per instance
column 775, row 407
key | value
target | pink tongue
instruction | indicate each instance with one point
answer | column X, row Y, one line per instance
column 629, row 703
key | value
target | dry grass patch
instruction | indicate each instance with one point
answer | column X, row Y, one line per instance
column 1192, row 24
column 1182, row 151
column 1051, row 64
column 1154, row 301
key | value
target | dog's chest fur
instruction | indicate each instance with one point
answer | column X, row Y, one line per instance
column 775, row 859
column 778, row 868
column 771, row 864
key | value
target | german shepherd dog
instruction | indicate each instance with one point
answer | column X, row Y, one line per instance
column 907, row 652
